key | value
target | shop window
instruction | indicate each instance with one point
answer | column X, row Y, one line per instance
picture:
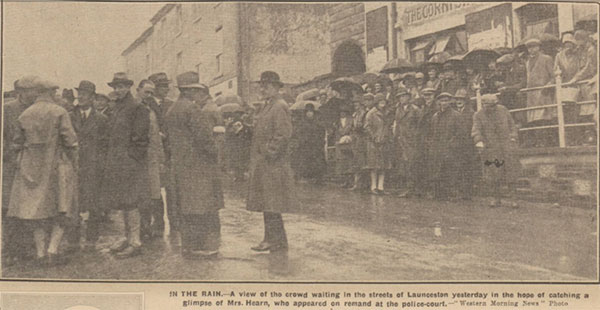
column 539, row 18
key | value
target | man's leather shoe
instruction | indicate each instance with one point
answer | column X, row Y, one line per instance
column 262, row 247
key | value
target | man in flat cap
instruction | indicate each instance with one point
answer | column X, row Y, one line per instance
column 13, row 248
column 197, row 192
column 406, row 135
column 466, row 155
column 91, row 128
column 160, row 106
column 540, row 72
column 271, row 188
column 47, row 146
column 103, row 105
column 495, row 136
column 445, row 125
column 430, row 107
column 125, row 184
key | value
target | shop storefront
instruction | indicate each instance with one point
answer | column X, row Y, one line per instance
column 427, row 29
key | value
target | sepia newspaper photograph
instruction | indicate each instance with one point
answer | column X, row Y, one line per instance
column 299, row 155
column 71, row 301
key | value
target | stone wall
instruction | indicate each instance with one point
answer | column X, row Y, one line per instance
column 347, row 22
column 565, row 176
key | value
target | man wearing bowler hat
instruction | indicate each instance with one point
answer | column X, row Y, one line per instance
column 91, row 128
column 197, row 192
column 271, row 179
column 126, row 174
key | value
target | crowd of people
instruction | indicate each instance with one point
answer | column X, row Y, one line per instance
column 72, row 167
column 69, row 162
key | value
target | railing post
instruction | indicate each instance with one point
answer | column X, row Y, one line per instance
column 478, row 95
column 559, row 109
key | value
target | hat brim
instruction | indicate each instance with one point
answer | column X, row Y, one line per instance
column 280, row 84
column 125, row 82
column 200, row 86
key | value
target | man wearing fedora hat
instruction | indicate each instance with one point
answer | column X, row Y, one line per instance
column 125, row 184
column 197, row 191
column 91, row 128
column 47, row 146
column 271, row 188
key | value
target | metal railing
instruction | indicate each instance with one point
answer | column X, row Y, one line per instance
column 558, row 87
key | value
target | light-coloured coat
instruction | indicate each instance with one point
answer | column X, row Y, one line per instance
column 271, row 187
column 47, row 146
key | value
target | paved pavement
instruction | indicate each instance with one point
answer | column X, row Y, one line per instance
column 337, row 235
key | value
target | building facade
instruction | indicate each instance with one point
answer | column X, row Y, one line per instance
column 230, row 44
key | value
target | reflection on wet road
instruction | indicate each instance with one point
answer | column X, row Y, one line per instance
column 336, row 235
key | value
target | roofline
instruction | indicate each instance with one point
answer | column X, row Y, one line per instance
column 138, row 41
column 162, row 12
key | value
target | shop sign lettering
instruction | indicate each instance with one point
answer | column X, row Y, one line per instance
column 430, row 11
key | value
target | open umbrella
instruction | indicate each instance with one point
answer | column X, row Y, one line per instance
column 311, row 94
column 225, row 99
column 345, row 84
column 231, row 108
column 480, row 57
column 366, row 78
column 398, row 65
column 300, row 105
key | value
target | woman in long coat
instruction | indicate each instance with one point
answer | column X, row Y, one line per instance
column 495, row 136
column 310, row 147
column 377, row 133
column 194, row 168
column 47, row 146
column 359, row 138
column 343, row 146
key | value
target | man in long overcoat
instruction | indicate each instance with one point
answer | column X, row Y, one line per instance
column 465, row 148
column 407, row 137
column 197, row 191
column 125, row 184
column 91, row 128
column 539, row 72
column 445, row 125
column 430, row 107
column 47, row 152
column 495, row 136
column 271, row 188
column 160, row 106
column 152, row 223
column 14, row 243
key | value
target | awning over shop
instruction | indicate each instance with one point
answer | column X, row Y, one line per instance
column 440, row 45
column 421, row 45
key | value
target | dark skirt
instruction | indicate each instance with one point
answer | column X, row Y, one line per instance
column 344, row 159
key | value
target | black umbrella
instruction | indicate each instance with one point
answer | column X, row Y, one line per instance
column 398, row 65
column 480, row 57
column 345, row 84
